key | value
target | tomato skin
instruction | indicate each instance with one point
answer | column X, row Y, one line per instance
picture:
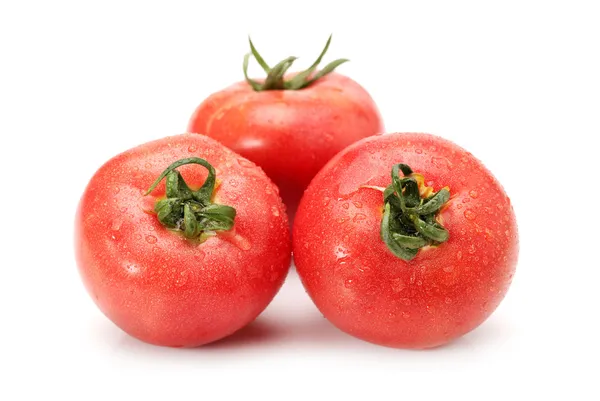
column 156, row 285
column 362, row 288
column 290, row 134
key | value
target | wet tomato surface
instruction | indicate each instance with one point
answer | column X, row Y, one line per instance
column 392, row 269
column 184, row 266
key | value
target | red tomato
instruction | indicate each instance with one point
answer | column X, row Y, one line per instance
column 401, row 273
column 152, row 281
column 289, row 130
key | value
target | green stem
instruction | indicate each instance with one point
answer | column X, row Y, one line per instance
column 409, row 221
column 191, row 212
column 275, row 79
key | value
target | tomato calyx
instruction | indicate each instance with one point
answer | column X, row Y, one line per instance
column 191, row 212
column 409, row 217
column 275, row 76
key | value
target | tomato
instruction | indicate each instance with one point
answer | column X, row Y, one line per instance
column 414, row 270
column 290, row 125
column 182, row 266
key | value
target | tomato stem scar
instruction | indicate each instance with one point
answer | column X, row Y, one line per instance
column 191, row 212
column 409, row 217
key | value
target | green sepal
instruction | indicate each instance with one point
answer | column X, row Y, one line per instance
column 176, row 186
column 409, row 241
column 435, row 202
column 409, row 222
column 387, row 237
column 430, row 231
column 191, row 212
column 275, row 79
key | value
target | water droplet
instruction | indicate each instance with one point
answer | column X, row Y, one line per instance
column 348, row 283
column 438, row 161
column 459, row 255
column 346, row 205
column 199, row 255
column 182, row 279
column 245, row 163
column 233, row 183
column 470, row 215
column 150, row 228
column 132, row 269
column 357, row 204
column 275, row 210
column 116, row 224
column 117, row 190
column 473, row 194
column 397, row 284
column 466, row 200
column 123, row 209
column 192, row 148
column 499, row 206
column 419, row 151
column 151, row 239
column 448, row 300
column 341, row 253
column 342, row 220
column 459, row 206
column 241, row 242
column 148, row 165
column 359, row 217
column 448, row 269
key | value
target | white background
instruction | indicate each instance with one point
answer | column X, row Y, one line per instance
column 517, row 83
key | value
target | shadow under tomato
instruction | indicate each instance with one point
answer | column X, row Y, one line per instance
column 309, row 331
column 258, row 332
column 491, row 333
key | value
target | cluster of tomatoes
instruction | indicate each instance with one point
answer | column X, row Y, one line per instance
column 404, row 240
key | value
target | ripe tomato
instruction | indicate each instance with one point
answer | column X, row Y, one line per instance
column 290, row 125
column 415, row 270
column 181, row 267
